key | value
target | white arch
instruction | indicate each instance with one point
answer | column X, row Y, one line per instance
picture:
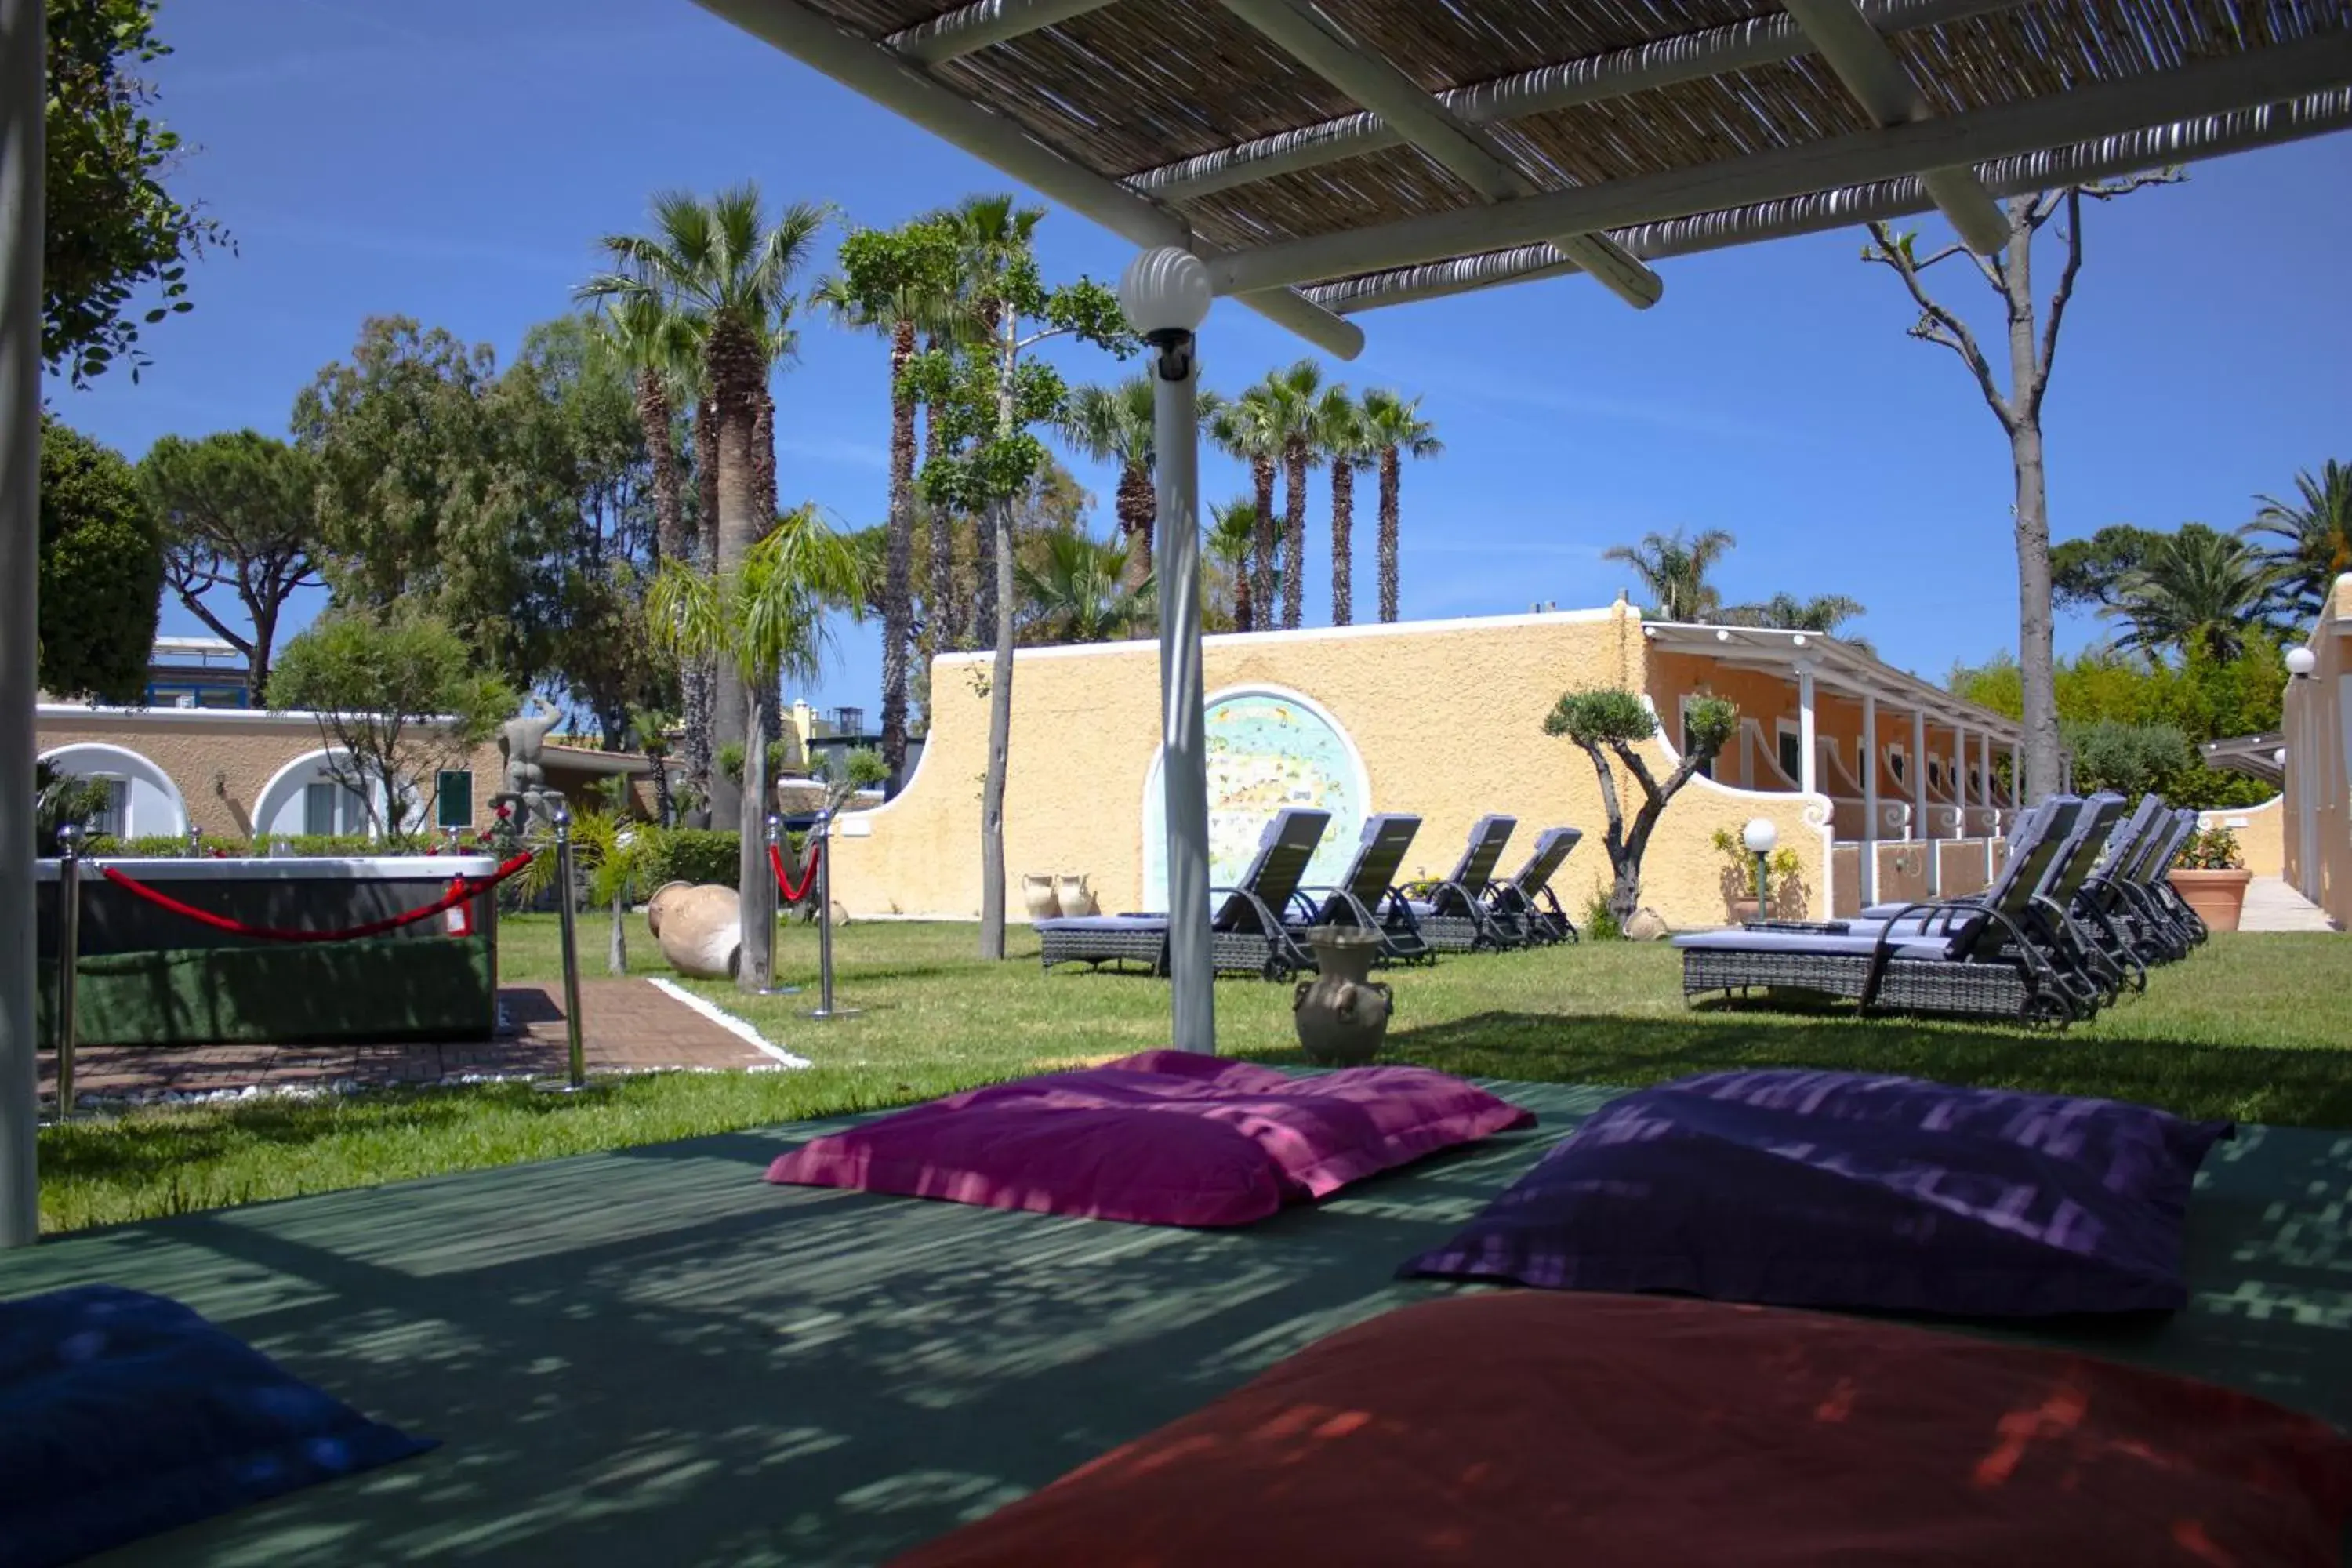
column 152, row 804
column 1340, row 840
column 283, row 793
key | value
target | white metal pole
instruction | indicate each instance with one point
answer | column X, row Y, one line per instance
column 1921, row 829
column 1184, row 761
column 1869, row 799
column 22, row 101
column 1808, row 766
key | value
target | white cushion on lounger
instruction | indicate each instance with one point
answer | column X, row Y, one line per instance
column 1103, row 923
column 1826, row 943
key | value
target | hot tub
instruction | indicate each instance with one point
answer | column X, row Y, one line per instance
column 150, row 976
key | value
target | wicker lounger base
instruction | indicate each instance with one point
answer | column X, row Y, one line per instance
column 1450, row 933
column 1982, row 990
column 1230, row 952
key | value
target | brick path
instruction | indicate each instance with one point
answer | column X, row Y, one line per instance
column 628, row 1026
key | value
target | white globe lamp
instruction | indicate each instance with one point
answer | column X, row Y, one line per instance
column 1165, row 294
column 2301, row 662
column 1760, row 836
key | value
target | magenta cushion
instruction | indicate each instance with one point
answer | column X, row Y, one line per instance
column 1163, row 1138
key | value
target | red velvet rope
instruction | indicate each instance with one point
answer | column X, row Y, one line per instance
column 464, row 890
column 784, row 883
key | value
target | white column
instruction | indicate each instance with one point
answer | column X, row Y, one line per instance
column 1808, row 764
column 1184, row 764
column 2016, row 776
column 1984, row 798
column 1869, row 799
column 1920, row 829
column 22, row 98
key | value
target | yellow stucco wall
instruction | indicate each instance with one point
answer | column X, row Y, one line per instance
column 1447, row 717
column 2261, row 832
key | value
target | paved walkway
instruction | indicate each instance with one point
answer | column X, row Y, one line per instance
column 628, row 1026
column 2271, row 905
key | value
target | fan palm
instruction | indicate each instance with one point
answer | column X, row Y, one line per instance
column 2196, row 591
column 1114, row 424
column 1673, row 570
column 1339, row 442
column 1231, row 541
column 765, row 618
column 723, row 267
column 1079, row 591
column 1824, row 612
column 1250, row 427
column 1393, row 430
column 2314, row 538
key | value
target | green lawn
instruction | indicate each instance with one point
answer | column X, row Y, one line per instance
column 2252, row 1026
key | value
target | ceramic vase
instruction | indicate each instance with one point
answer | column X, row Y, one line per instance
column 1342, row 1014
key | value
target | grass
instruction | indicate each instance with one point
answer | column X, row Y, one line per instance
column 2251, row 1028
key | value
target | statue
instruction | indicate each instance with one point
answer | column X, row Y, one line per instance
column 520, row 739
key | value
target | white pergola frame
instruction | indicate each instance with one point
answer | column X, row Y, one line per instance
column 1910, row 162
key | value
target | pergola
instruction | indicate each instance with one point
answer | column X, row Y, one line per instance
column 1325, row 160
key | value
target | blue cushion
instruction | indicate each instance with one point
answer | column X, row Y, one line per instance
column 123, row 1414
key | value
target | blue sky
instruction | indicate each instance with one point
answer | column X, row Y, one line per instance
column 456, row 162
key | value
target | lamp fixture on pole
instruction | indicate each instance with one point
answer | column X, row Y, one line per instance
column 1760, row 836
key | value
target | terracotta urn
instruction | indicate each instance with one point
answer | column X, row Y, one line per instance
column 1342, row 1014
column 1038, row 893
column 2218, row 896
column 665, row 896
column 701, row 929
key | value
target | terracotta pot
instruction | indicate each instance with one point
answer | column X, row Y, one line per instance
column 1746, row 912
column 1342, row 1014
column 1073, row 894
column 2218, row 896
column 701, row 932
column 1038, row 893
column 665, row 896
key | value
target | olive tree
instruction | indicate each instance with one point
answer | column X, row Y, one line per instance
column 1609, row 724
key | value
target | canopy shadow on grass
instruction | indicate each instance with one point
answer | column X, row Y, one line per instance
column 652, row 1355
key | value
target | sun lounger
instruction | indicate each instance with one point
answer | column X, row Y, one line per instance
column 1457, row 916
column 1367, row 895
column 1248, row 934
column 1525, row 904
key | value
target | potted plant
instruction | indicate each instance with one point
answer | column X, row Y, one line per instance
column 1740, row 895
column 2211, row 877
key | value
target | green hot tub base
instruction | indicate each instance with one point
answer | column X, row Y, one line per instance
column 385, row 988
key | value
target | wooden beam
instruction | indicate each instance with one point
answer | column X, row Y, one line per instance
column 984, row 22
column 1310, row 37
column 2269, row 75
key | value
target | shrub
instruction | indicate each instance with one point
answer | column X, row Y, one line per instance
column 690, row 855
column 2212, row 849
column 1599, row 918
column 2130, row 759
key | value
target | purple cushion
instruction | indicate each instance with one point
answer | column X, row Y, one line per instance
column 1163, row 1138
column 1839, row 1189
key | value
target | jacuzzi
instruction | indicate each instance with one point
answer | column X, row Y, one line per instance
column 151, row 976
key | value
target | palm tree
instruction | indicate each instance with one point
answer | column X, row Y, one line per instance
column 1079, row 591
column 1339, row 442
column 1393, row 429
column 2196, row 591
column 1114, row 424
column 1824, row 612
column 1292, row 393
column 1231, row 540
column 765, row 617
column 1673, row 570
column 724, row 268
column 2314, row 535
column 893, row 287
column 1250, row 427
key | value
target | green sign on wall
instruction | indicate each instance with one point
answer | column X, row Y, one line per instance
column 453, row 798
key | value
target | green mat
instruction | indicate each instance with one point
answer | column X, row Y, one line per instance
column 654, row 1357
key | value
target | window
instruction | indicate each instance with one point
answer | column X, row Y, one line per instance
column 109, row 806
column 1690, row 741
column 1894, row 762
column 329, row 808
column 1792, row 754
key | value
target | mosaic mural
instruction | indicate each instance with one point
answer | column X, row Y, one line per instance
column 1265, row 751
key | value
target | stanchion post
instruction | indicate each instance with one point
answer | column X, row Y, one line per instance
column 578, row 1064
column 824, row 1007
column 69, row 960
column 775, row 852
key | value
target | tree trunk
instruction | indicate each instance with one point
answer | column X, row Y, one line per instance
column 1262, row 545
column 1244, row 608
column 1388, row 547
column 944, row 614
column 616, row 951
column 699, row 681
column 1000, row 734
column 1343, row 556
column 1625, row 887
column 664, row 804
column 2036, row 658
column 1294, row 531
column 755, row 881
column 986, row 578
column 898, row 559
column 1138, row 507
column 661, row 453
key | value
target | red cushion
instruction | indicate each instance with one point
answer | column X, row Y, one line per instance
column 1163, row 1138
column 1593, row 1429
